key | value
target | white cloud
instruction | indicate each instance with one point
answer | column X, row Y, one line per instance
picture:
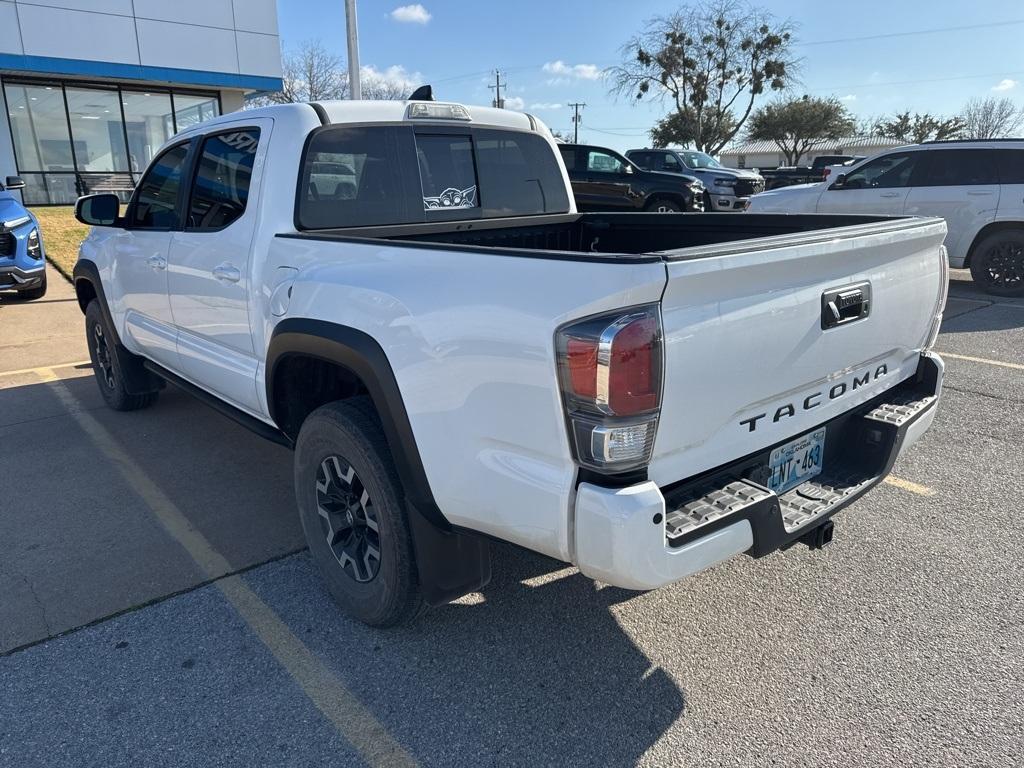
column 541, row 106
column 411, row 14
column 395, row 77
column 1005, row 85
column 848, row 97
column 578, row 71
column 515, row 102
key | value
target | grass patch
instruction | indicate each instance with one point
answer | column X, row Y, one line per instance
column 62, row 234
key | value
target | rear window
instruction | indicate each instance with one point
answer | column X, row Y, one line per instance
column 959, row 167
column 384, row 175
column 352, row 177
column 1011, row 165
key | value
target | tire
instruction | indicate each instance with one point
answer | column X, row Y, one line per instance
column 998, row 263
column 663, row 205
column 34, row 293
column 352, row 505
column 107, row 355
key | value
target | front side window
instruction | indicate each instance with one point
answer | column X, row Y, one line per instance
column 604, row 162
column 883, row 173
column 156, row 199
column 960, row 167
column 447, row 172
column 670, row 163
column 223, row 175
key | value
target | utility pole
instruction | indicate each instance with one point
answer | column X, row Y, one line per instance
column 498, row 101
column 576, row 120
column 352, row 26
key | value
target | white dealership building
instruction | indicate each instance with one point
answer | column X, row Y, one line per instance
column 92, row 88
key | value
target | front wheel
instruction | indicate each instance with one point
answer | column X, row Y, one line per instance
column 998, row 263
column 352, row 507
column 106, row 364
column 661, row 205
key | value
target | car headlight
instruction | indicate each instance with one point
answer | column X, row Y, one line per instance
column 35, row 246
column 724, row 181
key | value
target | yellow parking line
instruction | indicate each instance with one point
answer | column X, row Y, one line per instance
column 43, row 370
column 907, row 485
column 968, row 358
column 353, row 721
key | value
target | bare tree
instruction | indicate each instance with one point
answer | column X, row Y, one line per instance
column 312, row 73
column 991, row 118
column 709, row 61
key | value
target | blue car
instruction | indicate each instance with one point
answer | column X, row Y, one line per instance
column 22, row 260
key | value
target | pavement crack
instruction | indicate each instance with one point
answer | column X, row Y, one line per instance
column 987, row 395
column 35, row 598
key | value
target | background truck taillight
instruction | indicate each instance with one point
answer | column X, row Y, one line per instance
column 611, row 368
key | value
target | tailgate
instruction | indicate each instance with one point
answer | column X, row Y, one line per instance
column 747, row 362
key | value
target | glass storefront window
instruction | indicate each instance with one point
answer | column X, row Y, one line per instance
column 97, row 129
column 73, row 139
column 149, row 120
column 190, row 109
column 39, row 125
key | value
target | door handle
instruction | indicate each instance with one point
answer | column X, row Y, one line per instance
column 227, row 273
column 157, row 262
column 979, row 193
column 890, row 194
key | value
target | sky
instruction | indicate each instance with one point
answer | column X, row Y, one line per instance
column 552, row 53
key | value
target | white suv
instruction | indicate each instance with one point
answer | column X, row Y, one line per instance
column 976, row 186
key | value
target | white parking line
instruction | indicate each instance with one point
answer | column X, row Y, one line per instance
column 968, row 358
column 45, row 369
column 353, row 721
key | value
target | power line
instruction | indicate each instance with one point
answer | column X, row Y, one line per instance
column 916, row 82
column 914, row 32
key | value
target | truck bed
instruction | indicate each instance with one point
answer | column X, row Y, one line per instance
column 627, row 236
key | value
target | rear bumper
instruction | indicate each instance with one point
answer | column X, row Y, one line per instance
column 643, row 537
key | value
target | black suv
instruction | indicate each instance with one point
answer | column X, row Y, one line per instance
column 604, row 180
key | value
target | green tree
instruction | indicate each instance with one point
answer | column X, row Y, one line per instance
column 798, row 125
column 709, row 62
column 918, row 128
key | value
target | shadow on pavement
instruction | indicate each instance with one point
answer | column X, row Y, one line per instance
column 520, row 675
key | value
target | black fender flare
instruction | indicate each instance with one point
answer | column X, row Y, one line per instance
column 451, row 562
column 137, row 379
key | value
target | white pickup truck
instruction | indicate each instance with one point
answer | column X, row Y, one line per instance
column 404, row 293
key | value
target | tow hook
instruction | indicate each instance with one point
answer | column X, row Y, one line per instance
column 818, row 537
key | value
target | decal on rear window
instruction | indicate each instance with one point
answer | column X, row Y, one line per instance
column 452, row 198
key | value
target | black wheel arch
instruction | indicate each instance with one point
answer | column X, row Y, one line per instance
column 681, row 199
column 450, row 562
column 991, row 229
column 88, row 288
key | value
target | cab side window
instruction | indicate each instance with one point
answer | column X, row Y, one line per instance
column 223, row 176
column 883, row 173
column 670, row 163
column 156, row 201
column 603, row 162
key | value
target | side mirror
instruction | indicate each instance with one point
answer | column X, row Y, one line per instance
column 98, row 210
column 838, row 183
column 14, row 182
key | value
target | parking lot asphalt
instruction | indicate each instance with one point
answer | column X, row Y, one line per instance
column 157, row 606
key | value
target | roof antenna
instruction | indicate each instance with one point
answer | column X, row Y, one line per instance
column 423, row 93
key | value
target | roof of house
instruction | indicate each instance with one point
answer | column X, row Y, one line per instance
column 836, row 146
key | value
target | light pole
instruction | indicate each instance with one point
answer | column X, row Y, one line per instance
column 352, row 26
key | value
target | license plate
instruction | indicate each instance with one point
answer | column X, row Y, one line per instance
column 796, row 461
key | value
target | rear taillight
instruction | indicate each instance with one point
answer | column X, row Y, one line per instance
column 610, row 368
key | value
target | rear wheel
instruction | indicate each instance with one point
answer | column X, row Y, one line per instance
column 106, row 364
column 352, row 508
column 663, row 205
column 998, row 263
